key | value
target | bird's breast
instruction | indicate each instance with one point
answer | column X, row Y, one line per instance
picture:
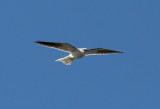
column 77, row 54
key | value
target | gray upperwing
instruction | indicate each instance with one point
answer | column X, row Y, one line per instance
column 57, row 45
column 100, row 51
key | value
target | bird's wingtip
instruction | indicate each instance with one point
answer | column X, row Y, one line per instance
column 120, row 52
column 38, row 41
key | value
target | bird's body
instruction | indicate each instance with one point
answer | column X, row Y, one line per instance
column 75, row 53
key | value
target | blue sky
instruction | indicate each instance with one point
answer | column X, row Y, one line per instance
column 31, row 79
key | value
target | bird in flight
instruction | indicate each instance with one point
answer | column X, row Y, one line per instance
column 75, row 53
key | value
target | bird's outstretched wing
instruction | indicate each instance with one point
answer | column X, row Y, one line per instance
column 57, row 45
column 100, row 51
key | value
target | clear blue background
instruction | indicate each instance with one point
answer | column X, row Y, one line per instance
column 31, row 79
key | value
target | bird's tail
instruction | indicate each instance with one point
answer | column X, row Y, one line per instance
column 66, row 60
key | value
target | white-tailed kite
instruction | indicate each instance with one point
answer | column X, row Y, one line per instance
column 75, row 53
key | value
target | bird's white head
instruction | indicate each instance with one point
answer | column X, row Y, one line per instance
column 82, row 49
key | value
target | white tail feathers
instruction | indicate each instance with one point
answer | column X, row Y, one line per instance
column 66, row 60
